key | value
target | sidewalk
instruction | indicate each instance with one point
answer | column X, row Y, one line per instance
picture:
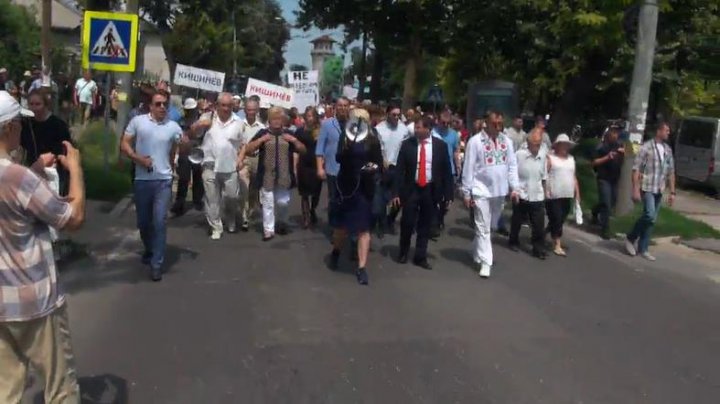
column 703, row 209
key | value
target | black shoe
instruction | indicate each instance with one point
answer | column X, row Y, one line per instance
column 423, row 263
column 334, row 259
column 281, row 229
column 245, row 226
column 514, row 247
column 178, row 209
column 362, row 276
column 156, row 274
column 402, row 258
column 198, row 206
column 541, row 255
column 313, row 217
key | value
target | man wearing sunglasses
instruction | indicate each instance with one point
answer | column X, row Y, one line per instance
column 155, row 144
column 489, row 174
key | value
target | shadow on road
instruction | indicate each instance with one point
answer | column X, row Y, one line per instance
column 102, row 389
column 462, row 232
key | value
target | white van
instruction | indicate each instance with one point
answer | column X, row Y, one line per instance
column 697, row 150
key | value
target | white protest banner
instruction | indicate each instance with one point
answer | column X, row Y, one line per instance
column 350, row 92
column 194, row 77
column 307, row 92
column 270, row 93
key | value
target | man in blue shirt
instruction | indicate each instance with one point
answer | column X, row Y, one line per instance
column 155, row 143
column 452, row 139
column 327, row 166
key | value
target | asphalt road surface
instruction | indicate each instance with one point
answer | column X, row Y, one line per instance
column 242, row 321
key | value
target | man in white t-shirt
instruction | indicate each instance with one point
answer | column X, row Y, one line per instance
column 222, row 144
column 392, row 133
column 84, row 96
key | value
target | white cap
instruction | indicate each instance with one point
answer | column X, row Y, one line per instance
column 563, row 138
column 190, row 103
column 10, row 109
column 3, row 70
column 321, row 111
column 236, row 97
column 264, row 104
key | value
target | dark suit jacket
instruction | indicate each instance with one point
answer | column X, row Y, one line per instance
column 406, row 168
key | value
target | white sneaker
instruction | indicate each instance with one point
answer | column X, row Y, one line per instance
column 484, row 270
column 648, row 256
column 216, row 234
column 630, row 247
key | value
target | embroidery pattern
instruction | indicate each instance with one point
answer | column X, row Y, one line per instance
column 495, row 154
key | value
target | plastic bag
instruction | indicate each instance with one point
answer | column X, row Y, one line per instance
column 578, row 213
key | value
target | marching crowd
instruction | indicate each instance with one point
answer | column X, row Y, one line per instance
column 374, row 163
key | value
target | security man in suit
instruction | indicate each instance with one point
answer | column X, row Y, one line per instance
column 423, row 182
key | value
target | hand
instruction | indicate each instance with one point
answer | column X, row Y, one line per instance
column 71, row 159
column 241, row 164
column 266, row 138
column 469, row 203
column 322, row 174
column 621, row 150
column 636, row 197
column 395, row 202
column 185, row 139
column 289, row 138
column 145, row 162
column 46, row 160
column 548, row 194
column 611, row 155
column 515, row 197
column 671, row 199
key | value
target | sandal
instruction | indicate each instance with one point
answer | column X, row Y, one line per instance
column 559, row 252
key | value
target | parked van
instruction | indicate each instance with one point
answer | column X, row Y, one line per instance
column 697, row 150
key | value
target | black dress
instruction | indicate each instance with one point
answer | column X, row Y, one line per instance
column 309, row 185
column 40, row 137
column 356, row 188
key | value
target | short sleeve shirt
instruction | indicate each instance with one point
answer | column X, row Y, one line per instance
column 610, row 171
column 452, row 139
column 28, row 276
column 154, row 139
column 391, row 139
column 85, row 90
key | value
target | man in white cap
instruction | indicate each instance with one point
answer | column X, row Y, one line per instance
column 488, row 175
column 33, row 316
column 5, row 83
column 238, row 107
column 187, row 170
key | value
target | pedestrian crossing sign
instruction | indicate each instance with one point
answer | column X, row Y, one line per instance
column 109, row 41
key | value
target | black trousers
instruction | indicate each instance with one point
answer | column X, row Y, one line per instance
column 418, row 212
column 533, row 212
column 557, row 212
column 187, row 170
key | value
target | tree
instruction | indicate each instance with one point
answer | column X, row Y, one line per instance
column 332, row 75
column 20, row 47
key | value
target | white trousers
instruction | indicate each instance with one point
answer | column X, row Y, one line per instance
column 487, row 215
column 272, row 200
column 221, row 196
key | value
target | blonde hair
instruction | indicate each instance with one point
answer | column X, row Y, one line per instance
column 276, row 112
column 360, row 113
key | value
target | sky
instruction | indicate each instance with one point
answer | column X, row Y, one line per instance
column 298, row 49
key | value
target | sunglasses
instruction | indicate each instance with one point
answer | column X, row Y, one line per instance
column 394, row 115
column 160, row 104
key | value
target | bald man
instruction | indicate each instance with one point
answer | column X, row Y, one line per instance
column 532, row 174
column 222, row 144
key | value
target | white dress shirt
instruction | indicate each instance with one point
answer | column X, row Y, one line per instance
column 490, row 168
column 532, row 172
column 428, row 159
column 250, row 129
column 222, row 143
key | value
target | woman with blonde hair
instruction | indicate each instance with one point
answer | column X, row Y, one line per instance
column 275, row 173
column 361, row 162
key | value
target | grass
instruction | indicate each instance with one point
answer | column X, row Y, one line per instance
column 110, row 185
column 669, row 223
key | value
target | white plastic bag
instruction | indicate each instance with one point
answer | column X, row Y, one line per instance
column 578, row 213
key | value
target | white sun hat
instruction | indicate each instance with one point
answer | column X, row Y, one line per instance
column 190, row 103
column 564, row 138
column 10, row 109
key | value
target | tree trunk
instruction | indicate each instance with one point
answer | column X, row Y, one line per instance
column 377, row 73
column 411, row 71
column 363, row 73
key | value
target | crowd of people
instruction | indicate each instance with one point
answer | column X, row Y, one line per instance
column 374, row 164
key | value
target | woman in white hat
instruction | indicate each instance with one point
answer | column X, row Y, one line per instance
column 562, row 189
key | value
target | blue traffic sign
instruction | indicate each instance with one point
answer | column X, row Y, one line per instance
column 110, row 41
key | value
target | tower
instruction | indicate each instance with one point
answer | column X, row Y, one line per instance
column 322, row 49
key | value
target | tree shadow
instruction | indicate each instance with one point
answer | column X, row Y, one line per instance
column 101, row 389
column 459, row 255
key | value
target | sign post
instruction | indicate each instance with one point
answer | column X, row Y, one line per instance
column 110, row 42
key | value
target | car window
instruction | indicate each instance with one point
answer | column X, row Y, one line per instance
column 697, row 134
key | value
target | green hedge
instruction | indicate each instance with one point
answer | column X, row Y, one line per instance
column 110, row 185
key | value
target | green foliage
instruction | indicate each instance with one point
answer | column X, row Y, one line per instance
column 111, row 185
column 332, row 74
column 20, row 44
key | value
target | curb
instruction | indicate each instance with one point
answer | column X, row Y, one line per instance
column 122, row 206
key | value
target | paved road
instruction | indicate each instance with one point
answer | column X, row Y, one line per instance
column 241, row 321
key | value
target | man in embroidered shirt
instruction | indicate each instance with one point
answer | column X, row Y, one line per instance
column 33, row 316
column 155, row 139
column 249, row 163
column 222, row 144
column 489, row 174
column 532, row 174
column 653, row 169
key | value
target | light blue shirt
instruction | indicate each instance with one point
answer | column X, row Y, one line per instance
column 327, row 144
column 240, row 115
column 452, row 139
column 154, row 139
column 174, row 114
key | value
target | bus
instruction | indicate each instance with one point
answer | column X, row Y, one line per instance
column 501, row 96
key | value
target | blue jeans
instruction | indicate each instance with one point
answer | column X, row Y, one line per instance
column 151, row 202
column 643, row 227
column 607, row 198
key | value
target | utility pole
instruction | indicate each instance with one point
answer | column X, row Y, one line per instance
column 639, row 94
column 45, row 42
column 126, row 80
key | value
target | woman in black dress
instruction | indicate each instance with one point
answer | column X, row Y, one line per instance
column 361, row 162
column 309, row 184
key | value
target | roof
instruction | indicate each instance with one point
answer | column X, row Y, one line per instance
column 324, row 38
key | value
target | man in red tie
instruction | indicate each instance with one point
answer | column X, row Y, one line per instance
column 423, row 181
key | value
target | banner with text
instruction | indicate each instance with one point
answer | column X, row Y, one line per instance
column 307, row 91
column 194, row 77
column 270, row 94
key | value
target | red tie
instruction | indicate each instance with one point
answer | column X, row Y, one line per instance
column 422, row 174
